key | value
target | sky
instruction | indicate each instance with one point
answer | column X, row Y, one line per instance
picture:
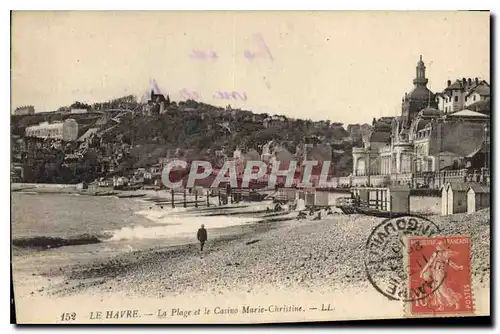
column 343, row 66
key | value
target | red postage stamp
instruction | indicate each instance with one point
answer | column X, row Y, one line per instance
column 439, row 275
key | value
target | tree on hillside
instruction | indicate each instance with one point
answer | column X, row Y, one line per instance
column 79, row 105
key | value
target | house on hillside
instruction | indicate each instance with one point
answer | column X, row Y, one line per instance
column 461, row 93
column 157, row 104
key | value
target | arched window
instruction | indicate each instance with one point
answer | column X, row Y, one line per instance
column 361, row 167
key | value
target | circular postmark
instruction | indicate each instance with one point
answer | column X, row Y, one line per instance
column 386, row 257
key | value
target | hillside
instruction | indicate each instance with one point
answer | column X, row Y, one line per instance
column 136, row 139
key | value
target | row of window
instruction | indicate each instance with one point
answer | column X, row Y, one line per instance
column 44, row 132
column 421, row 134
column 448, row 98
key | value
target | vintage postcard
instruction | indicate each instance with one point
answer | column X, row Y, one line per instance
column 249, row 167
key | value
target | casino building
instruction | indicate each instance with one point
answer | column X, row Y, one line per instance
column 425, row 145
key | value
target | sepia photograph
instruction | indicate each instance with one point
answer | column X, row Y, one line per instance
column 246, row 167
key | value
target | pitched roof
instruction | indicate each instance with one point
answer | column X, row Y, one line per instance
column 457, row 84
column 481, row 88
column 444, row 153
column 459, row 186
column 467, row 113
column 479, row 188
column 482, row 106
column 477, row 150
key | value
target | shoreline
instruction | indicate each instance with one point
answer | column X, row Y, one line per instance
column 168, row 278
column 426, row 205
column 292, row 254
column 280, row 256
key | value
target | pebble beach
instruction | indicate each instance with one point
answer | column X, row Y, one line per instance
column 274, row 251
column 290, row 254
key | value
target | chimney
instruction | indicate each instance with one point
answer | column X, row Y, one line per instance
column 464, row 82
column 449, row 83
column 469, row 82
column 476, row 80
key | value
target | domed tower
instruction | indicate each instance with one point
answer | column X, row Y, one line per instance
column 419, row 98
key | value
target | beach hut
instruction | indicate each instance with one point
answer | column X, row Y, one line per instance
column 309, row 198
column 456, row 198
column 287, row 194
column 321, row 198
column 399, row 198
column 302, row 195
column 316, row 198
column 478, row 197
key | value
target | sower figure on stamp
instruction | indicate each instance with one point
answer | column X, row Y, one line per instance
column 202, row 236
column 435, row 269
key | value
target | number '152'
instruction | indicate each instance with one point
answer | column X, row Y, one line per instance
column 68, row 316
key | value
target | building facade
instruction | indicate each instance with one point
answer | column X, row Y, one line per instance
column 462, row 93
column 425, row 138
column 66, row 131
column 157, row 104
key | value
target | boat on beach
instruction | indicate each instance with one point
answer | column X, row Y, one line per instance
column 379, row 213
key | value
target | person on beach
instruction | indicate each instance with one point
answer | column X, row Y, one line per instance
column 202, row 236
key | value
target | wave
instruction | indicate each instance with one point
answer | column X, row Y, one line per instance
column 176, row 227
column 45, row 242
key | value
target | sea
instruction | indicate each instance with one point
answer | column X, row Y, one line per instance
column 40, row 221
column 53, row 229
column 48, row 220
